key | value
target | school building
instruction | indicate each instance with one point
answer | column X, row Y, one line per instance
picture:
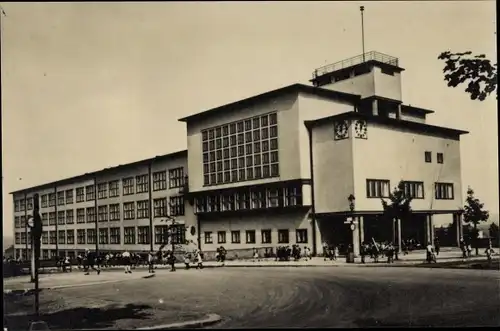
column 298, row 165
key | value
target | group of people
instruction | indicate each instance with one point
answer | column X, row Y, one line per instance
column 284, row 253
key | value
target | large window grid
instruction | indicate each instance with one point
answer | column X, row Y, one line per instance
column 45, row 219
column 114, row 212
column 52, row 200
column 102, row 213
column 103, row 236
column 90, row 192
column 70, row 216
column 240, row 151
column 128, row 186
column 80, row 236
column 44, row 201
column 61, row 236
column 377, row 188
column 91, row 215
column 80, row 194
column 30, row 203
column 143, row 237
column 91, row 236
column 176, row 177
column 443, row 191
column 80, row 215
column 177, row 206
column 61, row 217
column 70, row 237
column 102, row 191
column 114, row 236
column 114, row 188
column 160, row 207
column 52, row 218
column 60, row 198
column 129, row 235
column 142, row 209
column 142, row 183
column 52, row 237
column 161, row 234
column 159, row 180
column 129, row 210
column 414, row 190
column 69, row 196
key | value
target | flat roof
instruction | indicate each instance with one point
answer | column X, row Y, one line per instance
column 103, row 171
column 416, row 126
column 334, row 95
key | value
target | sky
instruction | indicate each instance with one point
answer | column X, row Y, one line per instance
column 91, row 85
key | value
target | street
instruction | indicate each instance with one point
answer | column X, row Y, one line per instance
column 289, row 297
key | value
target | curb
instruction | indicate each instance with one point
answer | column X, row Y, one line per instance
column 210, row 319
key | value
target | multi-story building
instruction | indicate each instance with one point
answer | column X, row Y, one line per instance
column 278, row 169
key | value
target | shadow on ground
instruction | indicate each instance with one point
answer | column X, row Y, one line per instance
column 81, row 318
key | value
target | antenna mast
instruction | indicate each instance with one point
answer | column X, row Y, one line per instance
column 362, row 9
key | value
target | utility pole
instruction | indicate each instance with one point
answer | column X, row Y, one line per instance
column 362, row 9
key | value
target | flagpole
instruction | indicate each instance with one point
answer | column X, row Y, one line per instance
column 362, row 8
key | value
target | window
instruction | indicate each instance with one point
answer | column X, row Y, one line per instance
column 160, row 207
column 283, row 236
column 142, row 183
column 228, row 202
column 243, row 200
column 114, row 188
column 103, row 236
column 428, row 157
column 60, row 217
column 114, row 212
column 70, row 216
column 128, row 186
column 91, row 236
column 301, row 235
column 17, row 222
column 161, row 234
column 266, row 236
column 91, row 215
column 45, row 219
column 60, row 198
column 440, row 158
column 45, row 254
column 177, row 206
column 142, row 209
column 159, row 180
column 129, row 234
column 102, row 190
column 45, row 237
column 258, row 199
column 69, row 196
column 114, row 236
column 44, row 202
column 235, row 237
column 61, row 237
column 143, row 235
column 90, row 192
column 80, row 194
column 102, row 213
column 444, row 191
column 30, row 203
column 221, row 237
column 176, row 177
column 23, row 237
column 128, row 210
column 293, row 196
column 18, row 238
column 70, row 237
column 80, row 236
column 178, row 234
column 377, row 188
column 52, row 237
column 414, row 189
column 274, row 198
column 23, row 221
column 208, row 238
column 250, row 235
column 52, row 200
column 80, row 215
column 17, row 205
column 234, row 154
column 52, row 218
column 22, row 203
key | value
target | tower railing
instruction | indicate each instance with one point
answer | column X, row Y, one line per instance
column 370, row 56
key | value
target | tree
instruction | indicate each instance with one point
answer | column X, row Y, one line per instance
column 397, row 208
column 477, row 71
column 474, row 214
column 493, row 231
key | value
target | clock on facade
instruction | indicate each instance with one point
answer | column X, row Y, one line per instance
column 31, row 222
column 341, row 130
column 360, row 128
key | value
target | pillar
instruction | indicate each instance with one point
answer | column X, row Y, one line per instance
column 431, row 228
column 375, row 108
column 427, row 230
column 399, row 243
column 361, row 224
column 355, row 240
column 398, row 112
column 457, row 218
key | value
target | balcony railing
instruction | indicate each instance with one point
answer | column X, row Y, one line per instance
column 370, row 56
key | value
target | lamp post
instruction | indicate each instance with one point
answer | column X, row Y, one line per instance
column 351, row 222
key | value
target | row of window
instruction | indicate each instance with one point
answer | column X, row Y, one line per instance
column 283, row 236
column 439, row 157
column 380, row 188
column 130, row 185
column 112, row 212
column 240, row 151
column 255, row 198
column 131, row 235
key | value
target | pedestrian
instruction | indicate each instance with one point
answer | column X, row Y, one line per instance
column 199, row 260
column 187, row 260
column 255, row 255
column 335, row 252
column 325, row 250
column 67, row 264
column 222, row 252
column 437, row 246
column 151, row 262
column 489, row 252
column 469, row 249
column 171, row 260
column 90, row 262
column 126, row 261
column 430, row 253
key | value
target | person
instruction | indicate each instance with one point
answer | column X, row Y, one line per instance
column 430, row 253
column 325, row 250
column 187, row 260
column 199, row 260
column 222, row 257
column 126, row 261
column 91, row 262
column 171, row 260
column 335, row 252
column 437, row 246
column 255, row 255
column 151, row 264
column 463, row 248
column 469, row 249
column 489, row 252
column 67, row 264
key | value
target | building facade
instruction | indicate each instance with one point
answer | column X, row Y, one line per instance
column 271, row 170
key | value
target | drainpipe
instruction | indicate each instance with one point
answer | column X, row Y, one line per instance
column 150, row 206
column 26, row 221
column 57, row 222
column 313, row 202
column 96, row 220
column 199, row 232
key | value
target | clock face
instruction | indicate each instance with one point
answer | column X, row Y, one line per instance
column 31, row 222
column 341, row 130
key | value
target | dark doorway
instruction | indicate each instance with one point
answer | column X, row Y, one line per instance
column 377, row 227
column 414, row 228
column 335, row 232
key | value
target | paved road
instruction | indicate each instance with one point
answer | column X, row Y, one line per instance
column 315, row 297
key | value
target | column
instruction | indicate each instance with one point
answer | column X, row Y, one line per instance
column 457, row 218
column 431, row 229
column 361, row 224
column 398, row 112
column 427, row 231
column 355, row 239
column 399, row 235
column 375, row 108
